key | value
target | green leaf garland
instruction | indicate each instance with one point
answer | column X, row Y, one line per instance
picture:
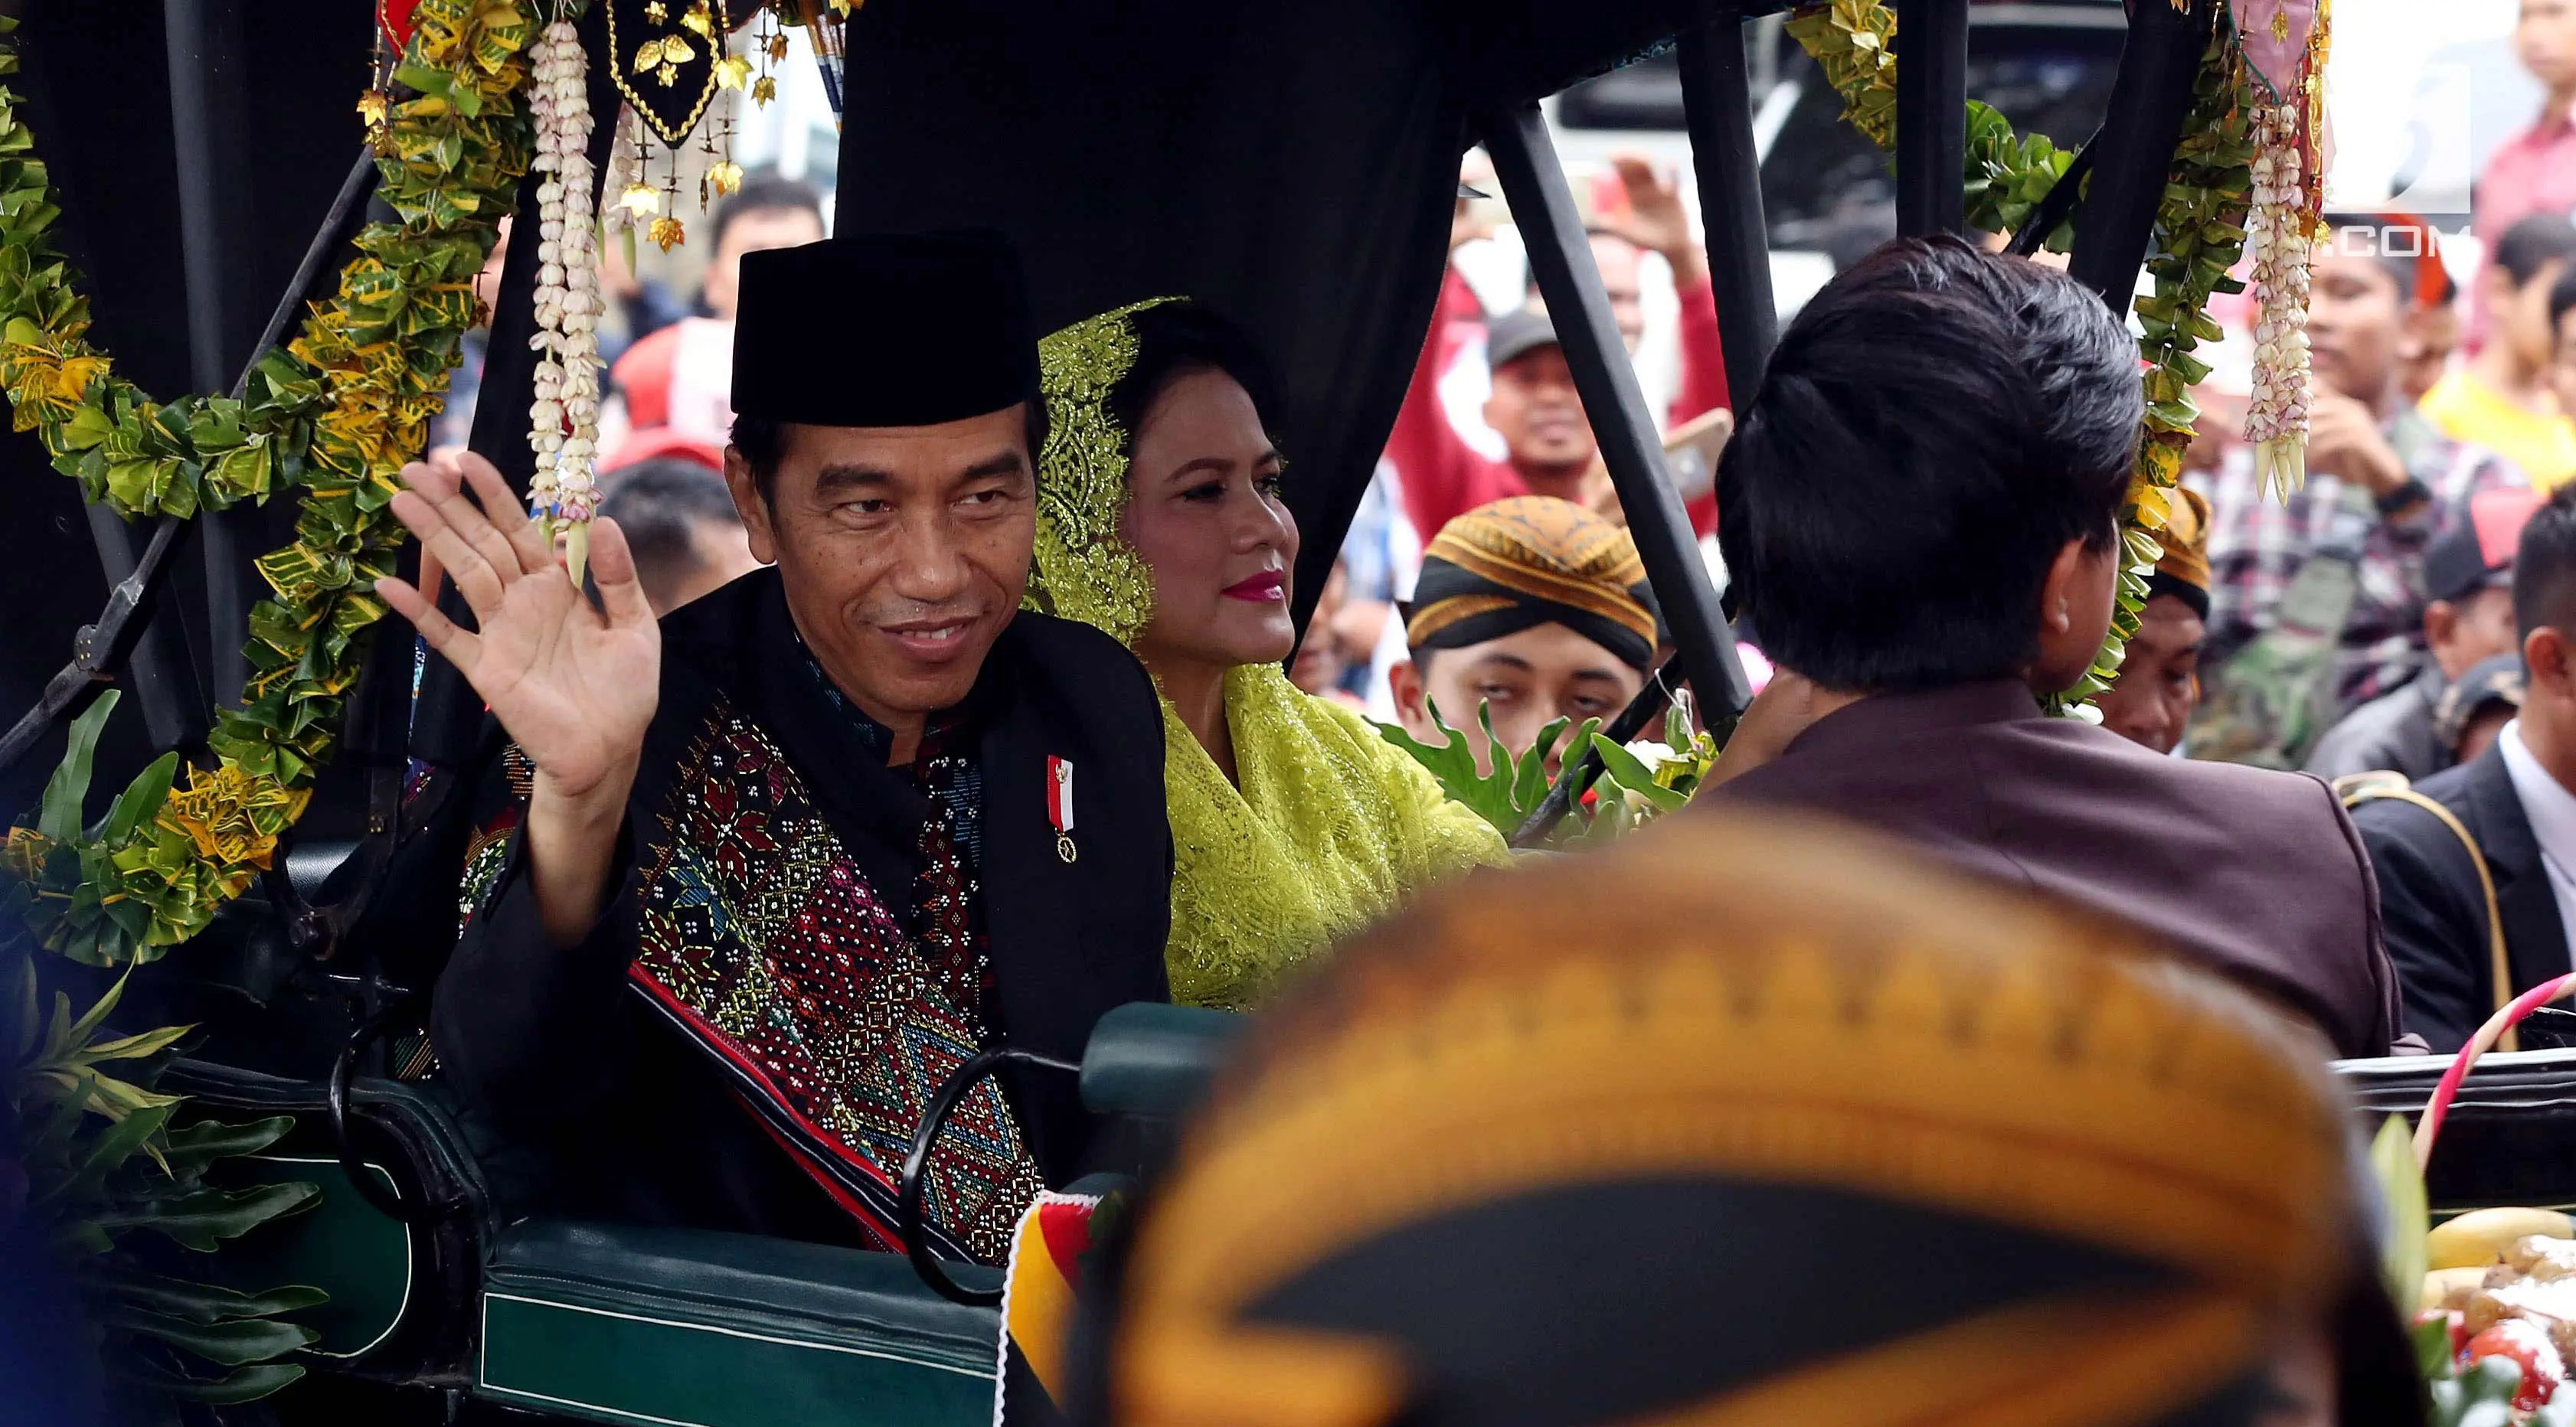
column 334, row 413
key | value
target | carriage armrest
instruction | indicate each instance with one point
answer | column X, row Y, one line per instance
column 627, row 1323
column 1152, row 1061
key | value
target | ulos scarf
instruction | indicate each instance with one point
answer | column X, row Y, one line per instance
column 1328, row 827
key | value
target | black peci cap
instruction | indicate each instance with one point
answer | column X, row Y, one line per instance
column 884, row 329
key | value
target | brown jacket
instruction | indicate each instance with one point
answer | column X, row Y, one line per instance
column 2258, row 875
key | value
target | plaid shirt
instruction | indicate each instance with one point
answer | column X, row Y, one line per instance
column 2256, row 547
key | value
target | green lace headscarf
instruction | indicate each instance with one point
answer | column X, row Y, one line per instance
column 1326, row 826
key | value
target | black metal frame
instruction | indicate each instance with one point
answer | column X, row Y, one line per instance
column 113, row 639
column 1717, row 100
column 1560, row 255
column 2150, row 98
column 1932, row 117
column 209, row 124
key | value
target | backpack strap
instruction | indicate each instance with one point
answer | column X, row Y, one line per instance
column 2356, row 789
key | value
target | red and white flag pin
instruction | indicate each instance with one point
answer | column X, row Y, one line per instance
column 1060, row 804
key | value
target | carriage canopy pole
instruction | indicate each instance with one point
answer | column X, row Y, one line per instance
column 2150, row 99
column 1932, row 116
column 1560, row 257
column 1719, row 102
column 208, row 124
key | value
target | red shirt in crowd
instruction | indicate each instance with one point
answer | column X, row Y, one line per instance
column 2534, row 173
column 1444, row 477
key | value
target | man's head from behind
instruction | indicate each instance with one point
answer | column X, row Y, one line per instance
column 2544, row 608
column 1926, row 490
column 766, row 212
column 1534, row 406
column 884, row 455
column 1532, row 608
column 2468, row 575
column 680, row 521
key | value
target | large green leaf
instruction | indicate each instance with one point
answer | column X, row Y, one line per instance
column 1627, row 771
column 248, row 1384
column 114, row 1146
column 205, row 1218
column 59, row 815
column 2401, row 1188
column 141, row 800
column 231, row 1343
column 199, row 1302
column 192, row 1147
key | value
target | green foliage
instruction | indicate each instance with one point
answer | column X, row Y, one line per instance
column 334, row 415
column 1516, row 785
column 2401, row 1189
column 2007, row 175
column 2199, row 235
column 116, row 1187
column 1624, row 792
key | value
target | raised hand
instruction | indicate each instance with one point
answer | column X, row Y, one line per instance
column 574, row 686
column 1656, row 220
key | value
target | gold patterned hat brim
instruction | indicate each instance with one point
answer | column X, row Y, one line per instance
column 1769, row 1002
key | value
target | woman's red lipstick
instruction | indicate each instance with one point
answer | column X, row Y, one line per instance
column 1268, row 587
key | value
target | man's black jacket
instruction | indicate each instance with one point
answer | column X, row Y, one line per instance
column 2434, row 914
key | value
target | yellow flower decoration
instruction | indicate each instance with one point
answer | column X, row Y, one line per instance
column 232, row 820
column 336, row 412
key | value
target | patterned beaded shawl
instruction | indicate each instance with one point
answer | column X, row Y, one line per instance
column 1328, row 825
column 793, row 917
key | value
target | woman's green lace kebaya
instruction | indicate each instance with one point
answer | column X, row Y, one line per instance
column 1330, row 826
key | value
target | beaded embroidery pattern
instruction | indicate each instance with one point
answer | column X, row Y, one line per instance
column 761, row 932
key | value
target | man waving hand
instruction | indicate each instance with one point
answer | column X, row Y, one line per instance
column 814, row 841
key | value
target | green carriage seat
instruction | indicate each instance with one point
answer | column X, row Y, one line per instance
column 588, row 1321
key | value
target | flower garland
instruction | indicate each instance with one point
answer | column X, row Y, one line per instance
column 2289, row 220
column 2276, row 419
column 337, row 413
column 564, row 417
column 2199, row 235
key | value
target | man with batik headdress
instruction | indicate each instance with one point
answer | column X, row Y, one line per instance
column 746, row 924
column 1533, row 609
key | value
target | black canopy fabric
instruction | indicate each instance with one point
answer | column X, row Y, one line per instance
column 96, row 81
column 1292, row 165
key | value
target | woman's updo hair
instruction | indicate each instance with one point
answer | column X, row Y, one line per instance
column 1174, row 339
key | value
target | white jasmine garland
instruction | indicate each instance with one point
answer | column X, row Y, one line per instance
column 2279, row 228
column 563, row 417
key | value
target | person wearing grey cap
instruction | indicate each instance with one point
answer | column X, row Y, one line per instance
column 843, row 819
column 2473, row 711
column 2468, row 579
